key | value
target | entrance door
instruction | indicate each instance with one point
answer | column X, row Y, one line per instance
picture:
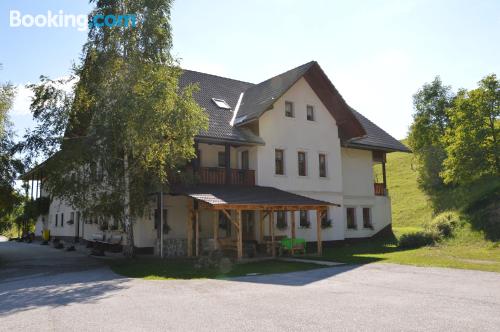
column 248, row 221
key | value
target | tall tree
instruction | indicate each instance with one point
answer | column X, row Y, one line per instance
column 472, row 142
column 129, row 125
column 430, row 121
column 10, row 166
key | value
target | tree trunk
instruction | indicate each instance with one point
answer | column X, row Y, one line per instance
column 128, row 250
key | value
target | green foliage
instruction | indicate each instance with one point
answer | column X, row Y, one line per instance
column 125, row 125
column 38, row 207
column 430, row 121
column 472, row 145
column 10, row 165
column 444, row 224
column 416, row 240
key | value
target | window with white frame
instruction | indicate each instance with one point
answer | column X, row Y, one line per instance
column 279, row 161
column 367, row 217
column 302, row 163
column 289, row 112
column 351, row 218
column 310, row 113
column 322, row 165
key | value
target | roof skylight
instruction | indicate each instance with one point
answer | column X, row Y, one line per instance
column 221, row 103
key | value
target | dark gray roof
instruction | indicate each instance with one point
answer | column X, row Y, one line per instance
column 242, row 195
column 260, row 97
column 212, row 86
column 376, row 138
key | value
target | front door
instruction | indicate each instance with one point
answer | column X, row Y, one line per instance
column 248, row 220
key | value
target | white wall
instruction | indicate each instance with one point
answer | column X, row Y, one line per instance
column 357, row 172
column 298, row 134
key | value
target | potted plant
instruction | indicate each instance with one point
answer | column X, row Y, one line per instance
column 326, row 223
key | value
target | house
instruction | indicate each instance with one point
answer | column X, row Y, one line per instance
column 285, row 157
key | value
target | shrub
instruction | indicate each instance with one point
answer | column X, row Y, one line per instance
column 444, row 224
column 416, row 240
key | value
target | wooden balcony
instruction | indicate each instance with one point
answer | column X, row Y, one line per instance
column 217, row 175
column 379, row 189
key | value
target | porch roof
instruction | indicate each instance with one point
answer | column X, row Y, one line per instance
column 250, row 197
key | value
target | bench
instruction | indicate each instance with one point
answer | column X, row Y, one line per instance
column 277, row 243
column 111, row 243
column 293, row 245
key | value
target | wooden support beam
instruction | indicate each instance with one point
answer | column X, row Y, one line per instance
column 293, row 229
column 216, row 230
column 240, row 234
column 318, row 231
column 262, row 215
column 231, row 219
column 227, row 157
column 197, row 232
column 190, row 228
column 271, row 225
column 384, row 176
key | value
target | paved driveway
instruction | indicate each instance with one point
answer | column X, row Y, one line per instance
column 43, row 289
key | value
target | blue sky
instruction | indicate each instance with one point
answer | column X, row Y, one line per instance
column 377, row 53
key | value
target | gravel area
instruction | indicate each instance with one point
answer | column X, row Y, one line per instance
column 45, row 289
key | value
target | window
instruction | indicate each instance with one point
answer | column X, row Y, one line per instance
column 304, row 219
column 244, row 160
column 221, row 159
column 72, row 216
column 224, row 223
column 279, row 162
column 302, row 163
column 62, row 219
column 367, row 218
column 57, row 219
column 221, row 103
column 351, row 218
column 310, row 113
column 281, row 219
column 289, row 109
column 157, row 220
column 322, row 165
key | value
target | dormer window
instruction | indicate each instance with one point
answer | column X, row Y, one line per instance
column 221, row 103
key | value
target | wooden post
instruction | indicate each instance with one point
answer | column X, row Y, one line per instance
column 197, row 232
column 318, row 231
column 227, row 157
column 271, row 223
column 293, row 229
column 261, row 226
column 384, row 176
column 190, row 228
column 216, row 229
column 240, row 234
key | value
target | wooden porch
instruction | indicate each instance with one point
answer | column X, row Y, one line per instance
column 233, row 200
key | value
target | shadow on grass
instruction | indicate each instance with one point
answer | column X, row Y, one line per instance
column 362, row 252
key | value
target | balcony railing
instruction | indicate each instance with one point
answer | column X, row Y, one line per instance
column 216, row 175
column 379, row 189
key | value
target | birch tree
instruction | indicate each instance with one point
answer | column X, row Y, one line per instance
column 129, row 125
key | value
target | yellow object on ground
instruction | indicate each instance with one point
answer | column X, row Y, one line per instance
column 46, row 234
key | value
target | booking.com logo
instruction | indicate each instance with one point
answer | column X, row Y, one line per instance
column 62, row 20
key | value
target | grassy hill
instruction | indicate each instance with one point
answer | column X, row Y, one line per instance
column 411, row 209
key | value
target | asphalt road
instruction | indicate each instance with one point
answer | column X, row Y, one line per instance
column 43, row 289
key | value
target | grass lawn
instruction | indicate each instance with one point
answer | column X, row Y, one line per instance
column 468, row 249
column 158, row 269
column 461, row 252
